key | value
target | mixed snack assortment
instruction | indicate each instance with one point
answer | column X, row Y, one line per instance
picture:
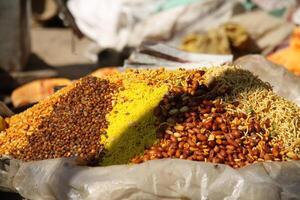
column 220, row 115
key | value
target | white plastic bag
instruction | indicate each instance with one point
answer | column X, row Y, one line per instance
column 119, row 23
column 157, row 179
column 160, row 55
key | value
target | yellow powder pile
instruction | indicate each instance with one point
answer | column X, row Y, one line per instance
column 131, row 122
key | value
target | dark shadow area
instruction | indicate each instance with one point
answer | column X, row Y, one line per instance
column 10, row 196
column 249, row 47
column 111, row 57
column 46, row 13
column 7, row 82
column 20, row 108
column 76, row 71
column 10, row 81
column 54, row 22
column 35, row 68
column 36, row 63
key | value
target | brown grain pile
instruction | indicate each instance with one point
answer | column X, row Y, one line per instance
column 74, row 125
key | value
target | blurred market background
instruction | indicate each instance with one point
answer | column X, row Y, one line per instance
column 46, row 44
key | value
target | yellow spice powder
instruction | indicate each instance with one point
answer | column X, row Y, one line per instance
column 131, row 122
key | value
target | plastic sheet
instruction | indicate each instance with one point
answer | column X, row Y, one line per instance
column 128, row 23
column 158, row 179
column 157, row 55
column 267, row 31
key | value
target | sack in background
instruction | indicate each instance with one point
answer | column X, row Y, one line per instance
column 284, row 83
column 129, row 23
column 266, row 30
column 159, row 55
column 157, row 179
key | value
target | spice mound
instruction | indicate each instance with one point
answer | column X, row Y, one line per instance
column 65, row 125
column 220, row 115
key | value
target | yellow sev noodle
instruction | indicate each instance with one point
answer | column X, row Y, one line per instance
column 131, row 122
column 256, row 96
column 284, row 115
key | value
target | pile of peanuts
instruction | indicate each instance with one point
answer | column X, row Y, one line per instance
column 209, row 130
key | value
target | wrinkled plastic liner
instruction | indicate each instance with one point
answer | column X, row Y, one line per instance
column 157, row 179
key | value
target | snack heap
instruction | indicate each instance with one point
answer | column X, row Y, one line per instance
column 220, row 115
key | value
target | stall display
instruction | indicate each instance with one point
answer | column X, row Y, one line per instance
column 221, row 115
